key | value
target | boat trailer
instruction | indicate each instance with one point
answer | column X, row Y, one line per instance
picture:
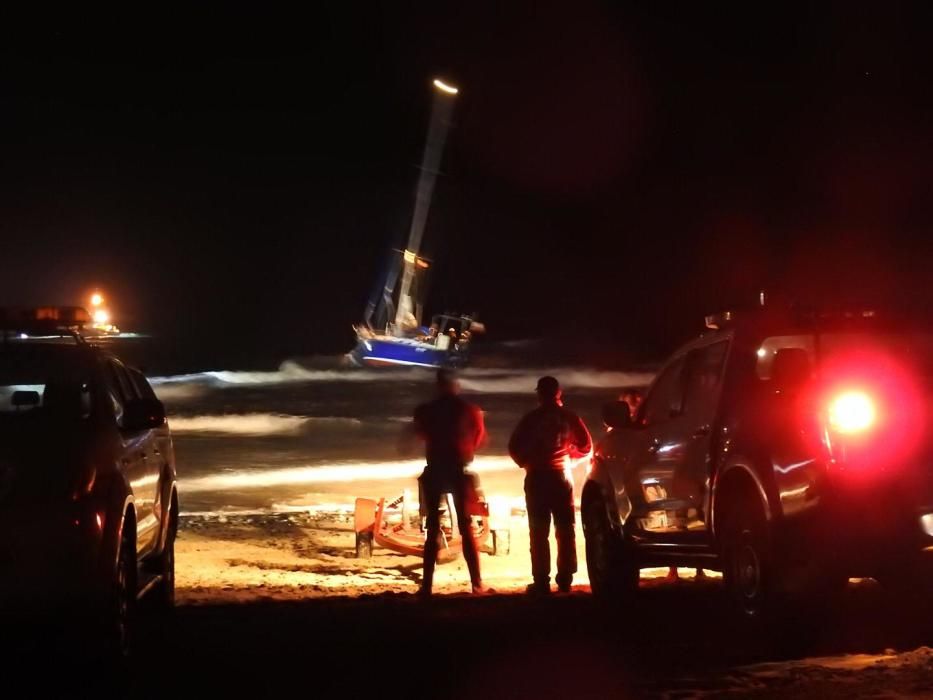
column 390, row 524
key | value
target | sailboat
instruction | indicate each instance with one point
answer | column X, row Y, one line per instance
column 392, row 333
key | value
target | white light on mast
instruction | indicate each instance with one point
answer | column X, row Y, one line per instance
column 449, row 89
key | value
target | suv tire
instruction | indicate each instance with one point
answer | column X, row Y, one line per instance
column 164, row 593
column 613, row 574
column 747, row 561
column 120, row 609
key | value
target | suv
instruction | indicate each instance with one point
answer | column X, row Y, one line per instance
column 789, row 450
column 88, row 504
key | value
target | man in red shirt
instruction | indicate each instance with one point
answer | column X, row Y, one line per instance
column 452, row 430
column 544, row 444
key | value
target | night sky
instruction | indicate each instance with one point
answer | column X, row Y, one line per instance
column 614, row 172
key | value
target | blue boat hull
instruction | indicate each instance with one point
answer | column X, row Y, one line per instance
column 403, row 352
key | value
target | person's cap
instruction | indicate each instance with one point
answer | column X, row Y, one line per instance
column 548, row 386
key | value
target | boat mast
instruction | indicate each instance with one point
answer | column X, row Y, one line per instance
column 441, row 109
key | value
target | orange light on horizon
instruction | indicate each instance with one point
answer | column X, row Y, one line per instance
column 97, row 299
column 101, row 316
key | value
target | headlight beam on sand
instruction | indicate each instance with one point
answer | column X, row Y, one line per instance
column 326, row 473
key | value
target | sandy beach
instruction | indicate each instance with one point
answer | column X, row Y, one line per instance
column 298, row 555
column 256, row 561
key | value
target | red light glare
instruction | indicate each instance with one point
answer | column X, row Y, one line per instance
column 852, row 412
column 874, row 405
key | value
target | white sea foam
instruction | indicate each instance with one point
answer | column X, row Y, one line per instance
column 178, row 391
column 570, row 378
column 478, row 380
column 289, row 372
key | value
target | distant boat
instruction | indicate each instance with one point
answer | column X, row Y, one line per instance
column 392, row 333
column 403, row 341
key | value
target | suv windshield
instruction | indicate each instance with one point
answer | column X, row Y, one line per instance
column 44, row 381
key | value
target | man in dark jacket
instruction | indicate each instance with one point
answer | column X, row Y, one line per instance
column 452, row 429
column 545, row 444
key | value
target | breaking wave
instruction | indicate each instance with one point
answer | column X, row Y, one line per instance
column 479, row 380
column 177, row 392
column 256, row 424
column 288, row 372
column 492, row 382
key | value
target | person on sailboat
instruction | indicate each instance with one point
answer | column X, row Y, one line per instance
column 452, row 429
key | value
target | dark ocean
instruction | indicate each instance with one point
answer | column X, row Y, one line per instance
column 313, row 433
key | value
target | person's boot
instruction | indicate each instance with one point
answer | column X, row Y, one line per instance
column 538, row 588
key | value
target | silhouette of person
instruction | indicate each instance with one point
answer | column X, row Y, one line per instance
column 452, row 429
column 544, row 443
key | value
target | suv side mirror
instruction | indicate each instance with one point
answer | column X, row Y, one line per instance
column 617, row 415
column 143, row 414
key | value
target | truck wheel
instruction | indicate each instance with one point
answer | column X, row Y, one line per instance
column 747, row 565
column 613, row 575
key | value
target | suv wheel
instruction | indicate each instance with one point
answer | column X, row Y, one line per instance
column 611, row 570
column 121, row 608
column 747, row 559
column 164, row 597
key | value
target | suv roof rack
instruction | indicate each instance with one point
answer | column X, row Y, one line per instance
column 44, row 322
column 810, row 317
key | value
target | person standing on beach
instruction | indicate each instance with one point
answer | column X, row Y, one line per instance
column 632, row 398
column 452, row 429
column 544, row 444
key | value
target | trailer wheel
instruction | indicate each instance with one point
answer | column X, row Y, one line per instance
column 364, row 544
column 501, row 543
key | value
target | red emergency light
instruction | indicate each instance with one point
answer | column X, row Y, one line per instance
column 875, row 410
column 852, row 412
